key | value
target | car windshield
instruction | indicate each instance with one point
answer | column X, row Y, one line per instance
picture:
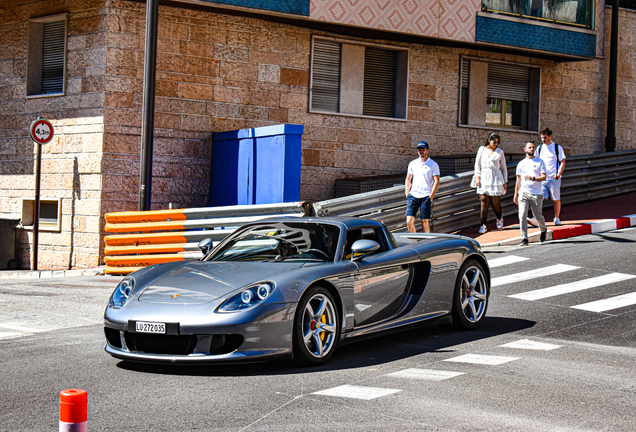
column 281, row 241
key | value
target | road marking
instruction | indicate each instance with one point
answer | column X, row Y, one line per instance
column 8, row 335
column 532, row 274
column 489, row 360
column 609, row 304
column 425, row 374
column 20, row 328
column 530, row 345
column 357, row 392
column 511, row 259
column 573, row 286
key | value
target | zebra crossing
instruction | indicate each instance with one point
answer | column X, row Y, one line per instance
column 540, row 273
column 600, row 305
column 369, row 392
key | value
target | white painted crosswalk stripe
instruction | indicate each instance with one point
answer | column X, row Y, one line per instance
column 511, row 259
column 490, row 360
column 9, row 335
column 573, row 286
column 425, row 374
column 19, row 328
column 532, row 274
column 357, row 392
column 530, row 345
column 609, row 304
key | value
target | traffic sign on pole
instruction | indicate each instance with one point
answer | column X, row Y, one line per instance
column 42, row 131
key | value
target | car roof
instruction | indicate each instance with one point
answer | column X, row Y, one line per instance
column 344, row 222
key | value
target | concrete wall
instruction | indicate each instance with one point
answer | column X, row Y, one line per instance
column 218, row 72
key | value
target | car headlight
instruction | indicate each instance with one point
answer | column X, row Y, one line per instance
column 121, row 294
column 248, row 298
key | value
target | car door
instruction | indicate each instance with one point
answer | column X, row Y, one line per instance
column 381, row 281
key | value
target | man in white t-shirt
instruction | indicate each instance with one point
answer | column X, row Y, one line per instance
column 554, row 165
column 422, row 181
column 530, row 173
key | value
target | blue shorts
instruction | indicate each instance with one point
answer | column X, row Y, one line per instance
column 551, row 187
column 424, row 204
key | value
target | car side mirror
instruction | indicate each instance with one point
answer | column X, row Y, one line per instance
column 362, row 248
column 205, row 245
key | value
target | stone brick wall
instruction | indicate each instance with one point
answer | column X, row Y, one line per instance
column 218, row 72
column 71, row 163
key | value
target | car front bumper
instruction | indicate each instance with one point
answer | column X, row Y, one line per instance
column 260, row 334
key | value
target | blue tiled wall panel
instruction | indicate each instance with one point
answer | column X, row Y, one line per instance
column 510, row 33
column 298, row 7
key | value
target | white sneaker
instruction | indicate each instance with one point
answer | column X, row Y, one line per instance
column 533, row 222
column 557, row 221
column 500, row 223
column 482, row 229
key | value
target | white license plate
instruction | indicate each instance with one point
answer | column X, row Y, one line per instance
column 150, row 327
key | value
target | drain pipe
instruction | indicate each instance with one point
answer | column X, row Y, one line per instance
column 148, row 114
column 610, row 138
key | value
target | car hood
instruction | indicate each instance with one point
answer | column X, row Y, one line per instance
column 202, row 282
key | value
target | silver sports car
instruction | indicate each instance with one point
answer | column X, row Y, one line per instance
column 294, row 287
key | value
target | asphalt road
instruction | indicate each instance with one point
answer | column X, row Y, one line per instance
column 551, row 360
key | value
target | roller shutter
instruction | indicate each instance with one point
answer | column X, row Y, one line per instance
column 508, row 82
column 325, row 76
column 53, row 57
column 380, row 70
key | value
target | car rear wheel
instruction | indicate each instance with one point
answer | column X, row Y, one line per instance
column 470, row 299
column 316, row 327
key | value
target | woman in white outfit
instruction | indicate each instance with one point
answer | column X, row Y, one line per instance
column 490, row 179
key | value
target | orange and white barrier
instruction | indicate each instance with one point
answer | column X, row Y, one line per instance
column 141, row 239
column 73, row 410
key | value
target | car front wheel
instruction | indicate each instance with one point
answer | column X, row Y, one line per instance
column 470, row 299
column 316, row 327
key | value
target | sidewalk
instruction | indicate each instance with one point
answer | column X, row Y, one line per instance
column 589, row 217
column 47, row 274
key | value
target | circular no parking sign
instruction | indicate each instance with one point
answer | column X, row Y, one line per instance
column 41, row 131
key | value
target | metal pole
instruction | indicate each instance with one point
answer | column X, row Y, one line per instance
column 36, row 205
column 148, row 114
column 610, row 138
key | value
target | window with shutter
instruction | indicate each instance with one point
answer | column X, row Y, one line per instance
column 358, row 79
column 46, row 60
column 510, row 99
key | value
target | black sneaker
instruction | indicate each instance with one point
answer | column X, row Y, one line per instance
column 524, row 242
column 542, row 237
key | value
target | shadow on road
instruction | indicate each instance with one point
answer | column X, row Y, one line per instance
column 364, row 352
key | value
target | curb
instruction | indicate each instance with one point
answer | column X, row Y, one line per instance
column 49, row 274
column 559, row 233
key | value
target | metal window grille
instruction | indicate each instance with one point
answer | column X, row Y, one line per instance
column 325, row 91
column 508, row 82
column 53, row 56
column 380, row 71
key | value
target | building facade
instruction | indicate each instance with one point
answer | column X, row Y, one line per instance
column 367, row 79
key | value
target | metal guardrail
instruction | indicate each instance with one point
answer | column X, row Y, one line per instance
column 151, row 237
column 145, row 238
column 456, row 205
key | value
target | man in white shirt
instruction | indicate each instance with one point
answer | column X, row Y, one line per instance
column 531, row 172
column 554, row 158
column 422, row 181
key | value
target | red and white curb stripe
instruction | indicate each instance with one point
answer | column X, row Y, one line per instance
column 562, row 232
column 594, row 227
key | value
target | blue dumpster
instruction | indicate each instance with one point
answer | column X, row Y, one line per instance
column 256, row 166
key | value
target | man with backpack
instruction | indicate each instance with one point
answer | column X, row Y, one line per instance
column 554, row 158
